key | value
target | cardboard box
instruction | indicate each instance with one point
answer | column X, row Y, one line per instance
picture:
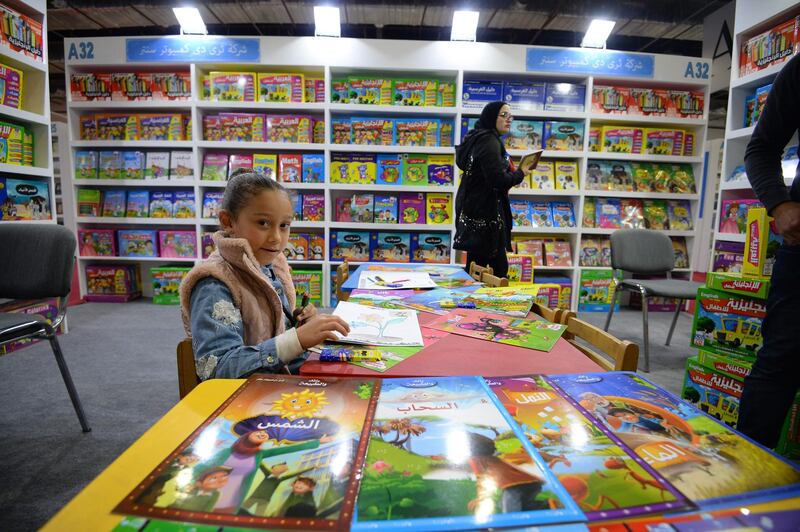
column 712, row 392
column 737, row 284
column 732, row 367
column 166, row 282
column 596, row 291
column 727, row 324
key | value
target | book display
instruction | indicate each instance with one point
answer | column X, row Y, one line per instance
column 453, row 453
column 366, row 145
column 27, row 187
column 765, row 39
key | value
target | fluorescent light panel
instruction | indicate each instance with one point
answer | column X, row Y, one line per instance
column 598, row 32
column 190, row 20
column 465, row 26
column 326, row 22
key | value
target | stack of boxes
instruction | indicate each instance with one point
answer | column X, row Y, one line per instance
column 727, row 326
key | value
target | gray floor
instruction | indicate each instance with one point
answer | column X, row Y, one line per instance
column 122, row 358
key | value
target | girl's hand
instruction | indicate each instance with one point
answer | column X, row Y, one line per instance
column 304, row 314
column 319, row 328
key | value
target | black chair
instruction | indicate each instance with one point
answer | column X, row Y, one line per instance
column 37, row 264
column 647, row 252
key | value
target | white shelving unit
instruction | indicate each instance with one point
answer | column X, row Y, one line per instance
column 35, row 111
column 752, row 18
column 335, row 58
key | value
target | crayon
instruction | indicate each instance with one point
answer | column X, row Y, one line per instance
column 328, row 354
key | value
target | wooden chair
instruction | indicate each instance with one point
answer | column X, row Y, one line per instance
column 608, row 352
column 492, row 280
column 476, row 271
column 342, row 274
column 187, row 372
column 550, row 314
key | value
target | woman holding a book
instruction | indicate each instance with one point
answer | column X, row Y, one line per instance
column 483, row 213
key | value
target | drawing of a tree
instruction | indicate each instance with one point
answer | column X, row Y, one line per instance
column 375, row 321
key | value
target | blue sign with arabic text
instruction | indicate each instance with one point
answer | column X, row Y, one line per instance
column 192, row 49
column 594, row 62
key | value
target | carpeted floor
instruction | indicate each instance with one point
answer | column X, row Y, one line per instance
column 122, row 358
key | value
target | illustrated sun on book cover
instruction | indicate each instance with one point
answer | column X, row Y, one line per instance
column 531, row 334
column 443, row 455
column 602, row 475
column 281, row 452
column 699, row 455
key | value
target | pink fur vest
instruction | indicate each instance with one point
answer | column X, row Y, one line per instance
column 235, row 265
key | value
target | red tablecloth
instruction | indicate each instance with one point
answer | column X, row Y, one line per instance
column 460, row 355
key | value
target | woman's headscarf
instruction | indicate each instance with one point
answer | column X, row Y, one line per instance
column 488, row 119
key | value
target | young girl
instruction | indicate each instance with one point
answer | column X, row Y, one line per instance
column 238, row 305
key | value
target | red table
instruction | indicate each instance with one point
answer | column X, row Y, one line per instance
column 460, row 355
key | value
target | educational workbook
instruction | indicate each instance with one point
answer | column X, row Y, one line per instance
column 281, row 452
column 704, row 459
column 540, row 335
column 378, row 326
column 380, row 298
column 439, row 300
column 602, row 475
column 443, row 455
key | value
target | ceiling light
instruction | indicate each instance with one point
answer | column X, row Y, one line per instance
column 598, row 32
column 465, row 26
column 326, row 20
column 190, row 20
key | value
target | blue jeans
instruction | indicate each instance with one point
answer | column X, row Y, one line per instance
column 772, row 384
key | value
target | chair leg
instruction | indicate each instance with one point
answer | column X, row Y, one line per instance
column 645, row 333
column 674, row 320
column 73, row 393
column 611, row 309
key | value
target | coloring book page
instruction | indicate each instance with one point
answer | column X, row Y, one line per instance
column 378, row 326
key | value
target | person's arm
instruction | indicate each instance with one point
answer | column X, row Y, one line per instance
column 489, row 157
column 218, row 337
column 777, row 123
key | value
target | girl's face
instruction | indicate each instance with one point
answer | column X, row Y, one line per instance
column 504, row 119
column 264, row 222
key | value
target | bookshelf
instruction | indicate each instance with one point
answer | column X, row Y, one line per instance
column 752, row 18
column 21, row 182
column 332, row 59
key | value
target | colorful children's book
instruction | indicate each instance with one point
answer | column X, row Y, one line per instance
column 183, row 205
column 137, row 243
column 520, row 213
column 110, row 165
column 415, row 169
column 440, row 170
column 395, row 280
column 239, row 161
column 132, row 165
column 381, row 298
column 362, row 208
column 438, row 301
column 290, row 167
column 85, row 164
column 212, row 202
column 541, row 215
column 313, row 168
column 540, row 335
column 558, row 253
column 563, row 214
column 697, row 454
column 138, row 204
column 389, row 167
column 439, row 208
column 608, row 213
column 263, row 456
column 412, row 207
column 156, row 165
column 97, row 242
column 655, row 214
column 181, row 165
column 431, row 248
column 177, row 244
column 89, row 202
column 215, row 167
column 350, row 245
column 516, row 305
column 161, row 205
column 385, row 209
column 463, row 464
column 313, row 207
column 114, row 203
column 601, row 473
column 378, row 326
column 680, row 215
column 265, row 164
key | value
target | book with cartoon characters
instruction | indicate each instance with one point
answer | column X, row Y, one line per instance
column 281, row 452
column 540, row 335
column 602, row 475
column 444, row 455
column 704, row 459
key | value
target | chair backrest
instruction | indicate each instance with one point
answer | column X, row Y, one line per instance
column 641, row 251
column 37, row 260
column 550, row 314
column 475, row 271
column 187, row 372
column 342, row 274
column 605, row 350
column 492, row 280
